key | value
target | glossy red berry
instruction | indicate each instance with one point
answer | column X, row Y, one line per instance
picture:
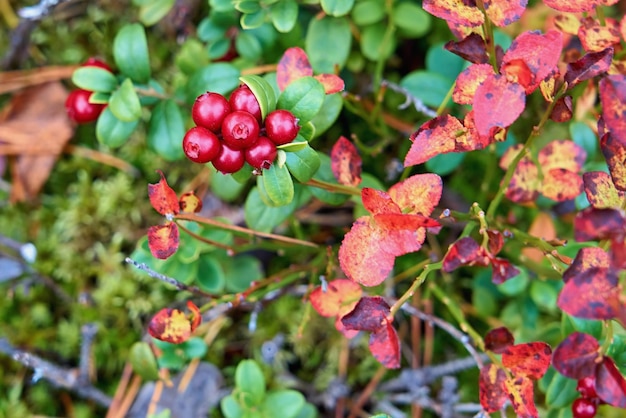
column 243, row 99
column 281, row 126
column 95, row 62
column 584, row 408
column 240, row 130
column 229, row 160
column 209, row 111
column 201, row 145
column 262, row 154
column 79, row 109
column 587, row 387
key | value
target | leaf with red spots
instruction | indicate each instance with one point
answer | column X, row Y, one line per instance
column 497, row 93
column 332, row 83
column 573, row 6
column 596, row 37
column 529, row 359
column 456, row 12
column 345, row 162
column 340, row 297
column 612, row 91
column 377, row 201
column 610, row 384
column 163, row 240
column 465, row 252
column 502, row 270
column 590, row 65
column 492, row 392
column 615, row 154
column 560, row 184
column 600, row 190
column 587, row 258
column 401, row 221
column 498, row 339
column 575, row 357
column 437, row 136
column 522, row 397
column 190, row 203
column 371, row 314
column 468, row 81
column 540, row 54
column 384, row 345
column 562, row 154
column 472, row 140
column 293, row 65
column 524, row 185
column 598, row 224
column 171, row 325
column 504, row 12
column 471, row 48
column 162, row 198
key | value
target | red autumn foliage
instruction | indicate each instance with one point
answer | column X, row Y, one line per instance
column 345, row 162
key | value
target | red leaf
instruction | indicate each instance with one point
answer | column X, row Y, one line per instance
column 348, row 333
column 377, row 201
column 562, row 154
column 472, row 140
column 591, row 65
column 418, row 194
column 171, row 325
column 595, row 36
column 539, row 52
column 340, row 297
column 496, row 241
column 293, row 65
column 560, row 184
column 612, row 91
column 524, row 186
column 401, row 221
column 598, row 224
column 576, row 356
column 472, row 48
column 464, row 252
column 504, row 12
column 163, row 240
column 437, row 136
column 455, row 11
column 592, row 294
column 600, row 190
column 190, row 203
column 162, row 198
column 529, row 360
column 345, row 162
column 614, row 152
column 563, row 110
column 492, row 391
column 196, row 316
column 371, row 314
column 331, row 82
column 503, row 270
column 497, row 340
column 586, row 259
column 385, row 346
column 610, row 384
column 572, row 5
column 521, row 395
column 468, row 81
column 497, row 93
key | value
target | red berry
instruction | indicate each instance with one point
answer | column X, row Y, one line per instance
column 587, row 387
column 281, row 126
column 229, row 160
column 243, row 99
column 584, row 408
column 262, row 154
column 79, row 109
column 201, row 145
column 209, row 111
column 95, row 62
column 240, row 130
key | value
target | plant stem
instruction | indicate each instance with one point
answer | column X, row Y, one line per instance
column 333, row 187
column 416, row 283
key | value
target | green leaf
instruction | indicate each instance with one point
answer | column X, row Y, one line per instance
column 248, row 46
column 241, row 272
column 130, row 51
column 337, row 8
column 249, row 379
column 303, row 164
column 324, row 173
column 328, row 114
column 253, row 20
column 284, row 15
column 247, row 6
column 297, row 145
column 260, row 216
column 374, row 44
column 166, row 131
column 191, row 56
column 219, row 77
column 327, row 43
column 516, row 285
column 283, row 403
column 263, row 91
column 210, row 277
column 545, row 294
column 230, row 407
column 99, row 97
column 195, row 347
column 94, row 79
column 218, row 48
column 278, row 184
column 431, row 88
column 153, row 11
column 411, row 19
column 307, row 411
column 111, row 131
column 307, row 130
column 143, row 361
column 214, row 27
column 368, row 12
column 561, row 391
column 303, row 97
column 225, row 186
column 443, row 164
column 441, row 61
column 124, row 102
column 583, row 136
column 222, row 5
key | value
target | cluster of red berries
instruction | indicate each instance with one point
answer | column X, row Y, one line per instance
column 77, row 104
column 587, row 405
column 229, row 133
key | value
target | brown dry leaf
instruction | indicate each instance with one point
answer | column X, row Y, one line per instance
column 542, row 227
column 15, row 80
column 33, row 131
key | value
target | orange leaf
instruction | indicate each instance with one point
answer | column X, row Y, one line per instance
column 293, row 65
column 562, row 154
column 162, row 198
column 171, row 325
column 492, row 393
column 497, row 93
column 455, row 12
column 529, row 360
column 601, row 191
column 560, row 184
column 437, row 136
column 340, row 297
column 541, row 227
column 190, row 203
column 163, row 240
column 196, row 316
column 404, row 221
column 468, row 81
column 332, row 83
column 573, row 6
column 596, row 37
column 418, row 194
column 522, row 397
column 345, row 162
column 504, row 12
column 377, row 201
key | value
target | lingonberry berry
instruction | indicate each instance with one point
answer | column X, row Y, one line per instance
column 209, row 111
column 281, row 126
column 262, row 154
column 587, row 387
column 201, row 145
column 229, row 160
column 79, row 109
column 242, row 98
column 584, row 408
column 240, row 130
column 96, row 62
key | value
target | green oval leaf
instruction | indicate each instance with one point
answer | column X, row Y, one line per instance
column 284, row 15
column 296, row 145
column 130, row 51
column 561, row 391
column 283, row 403
column 143, row 361
column 263, row 91
column 307, row 130
column 152, row 11
column 94, row 79
column 220, row 77
column 210, row 277
column 195, row 347
column 303, row 97
column 252, row 20
column 249, row 379
column 327, row 43
column 368, row 12
column 242, row 272
column 328, row 114
column 324, row 173
column 337, row 7
column 411, row 19
column 303, row 164
column 124, row 102
column 111, row 131
column 431, row 88
column 248, row 46
column 278, row 184
column 99, row 97
column 263, row 217
column 166, row 131
column 247, row 6
column 230, row 407
column 374, row 44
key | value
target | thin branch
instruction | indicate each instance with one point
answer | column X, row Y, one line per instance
column 410, row 99
column 169, row 280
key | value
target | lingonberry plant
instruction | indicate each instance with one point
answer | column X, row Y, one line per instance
column 454, row 195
